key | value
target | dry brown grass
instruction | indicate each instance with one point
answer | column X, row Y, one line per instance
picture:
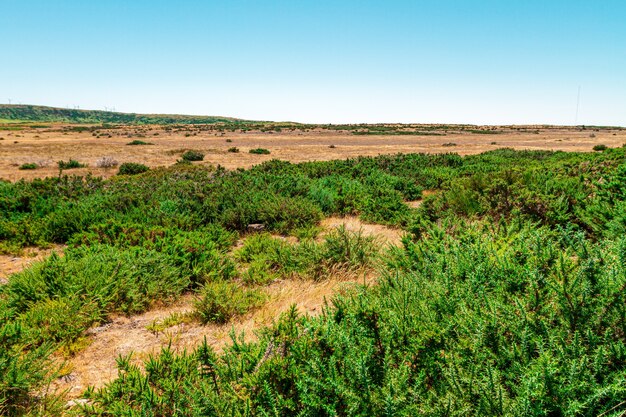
column 52, row 144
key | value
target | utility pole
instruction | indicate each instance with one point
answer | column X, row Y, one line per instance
column 577, row 106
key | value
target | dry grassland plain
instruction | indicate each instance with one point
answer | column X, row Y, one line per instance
column 45, row 146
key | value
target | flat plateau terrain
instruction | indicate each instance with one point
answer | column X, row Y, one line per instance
column 45, row 145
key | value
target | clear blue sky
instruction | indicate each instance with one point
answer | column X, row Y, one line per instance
column 507, row 61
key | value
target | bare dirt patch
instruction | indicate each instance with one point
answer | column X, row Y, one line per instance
column 414, row 204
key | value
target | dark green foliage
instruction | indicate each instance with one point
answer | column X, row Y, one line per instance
column 137, row 142
column 234, row 149
column 71, row 164
column 132, row 168
column 193, row 156
column 28, row 166
column 260, row 151
column 600, row 148
column 88, row 273
column 112, row 268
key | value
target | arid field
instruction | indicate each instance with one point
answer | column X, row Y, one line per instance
column 44, row 146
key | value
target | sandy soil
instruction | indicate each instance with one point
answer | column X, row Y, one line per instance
column 45, row 146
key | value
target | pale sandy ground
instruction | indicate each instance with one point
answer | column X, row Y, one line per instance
column 47, row 146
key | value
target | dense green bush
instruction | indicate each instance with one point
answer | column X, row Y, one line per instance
column 267, row 257
column 259, row 151
column 219, row 301
column 193, row 156
column 600, row 148
column 137, row 142
column 30, row 165
column 23, row 369
column 71, row 164
column 132, row 168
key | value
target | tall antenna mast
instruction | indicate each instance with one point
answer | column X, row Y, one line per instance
column 577, row 106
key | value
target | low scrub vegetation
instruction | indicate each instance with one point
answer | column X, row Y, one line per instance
column 132, row 168
column 505, row 298
column 28, row 165
column 71, row 164
column 138, row 142
column 259, row 151
column 219, row 301
column 192, row 156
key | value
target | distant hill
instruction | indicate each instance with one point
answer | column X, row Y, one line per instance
column 56, row 114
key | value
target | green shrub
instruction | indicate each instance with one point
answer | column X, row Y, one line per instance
column 349, row 249
column 139, row 142
column 259, row 151
column 193, row 156
column 220, row 301
column 29, row 166
column 234, row 149
column 71, row 164
column 116, row 280
column 132, row 168
column 24, row 371
column 600, row 148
